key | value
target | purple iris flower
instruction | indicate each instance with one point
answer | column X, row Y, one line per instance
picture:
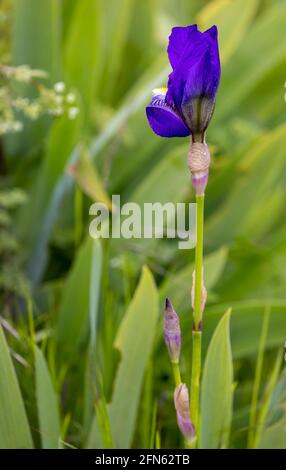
column 186, row 107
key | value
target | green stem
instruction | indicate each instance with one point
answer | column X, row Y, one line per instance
column 199, row 258
column 195, row 383
column 197, row 334
column 177, row 374
column 257, row 379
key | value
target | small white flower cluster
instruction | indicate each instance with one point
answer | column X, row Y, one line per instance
column 10, row 126
column 8, row 122
column 65, row 100
column 22, row 73
column 54, row 101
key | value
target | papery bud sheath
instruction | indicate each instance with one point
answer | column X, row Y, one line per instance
column 198, row 163
column 181, row 400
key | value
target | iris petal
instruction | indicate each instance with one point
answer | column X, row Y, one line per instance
column 164, row 121
column 212, row 32
column 188, row 71
column 201, row 82
column 179, row 37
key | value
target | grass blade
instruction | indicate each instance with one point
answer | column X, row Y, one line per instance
column 48, row 411
column 216, row 405
column 257, row 377
column 141, row 317
column 80, row 299
column 14, row 426
column 273, row 436
column 261, row 417
column 83, row 51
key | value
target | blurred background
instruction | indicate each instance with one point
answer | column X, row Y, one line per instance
column 83, row 318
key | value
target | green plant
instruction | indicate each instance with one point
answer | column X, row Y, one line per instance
column 88, row 299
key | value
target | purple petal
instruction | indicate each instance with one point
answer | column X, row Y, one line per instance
column 194, row 57
column 163, row 120
column 212, row 32
column 179, row 35
column 212, row 35
column 200, row 80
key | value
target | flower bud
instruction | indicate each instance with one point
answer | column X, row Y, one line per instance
column 181, row 399
column 198, row 162
column 172, row 332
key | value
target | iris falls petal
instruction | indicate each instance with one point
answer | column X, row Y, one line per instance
column 163, row 120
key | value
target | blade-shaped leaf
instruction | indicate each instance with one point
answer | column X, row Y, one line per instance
column 83, row 51
column 14, row 426
column 274, row 434
column 80, row 299
column 46, row 194
column 134, row 342
column 216, row 404
column 48, row 411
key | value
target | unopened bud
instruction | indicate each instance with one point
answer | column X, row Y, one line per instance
column 203, row 293
column 198, row 162
column 182, row 405
column 172, row 332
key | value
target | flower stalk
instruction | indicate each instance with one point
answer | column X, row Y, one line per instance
column 176, row 373
column 197, row 317
column 198, row 162
column 199, row 262
column 183, row 109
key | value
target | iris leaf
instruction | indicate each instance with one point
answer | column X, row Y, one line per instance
column 217, row 389
column 79, row 304
column 48, row 411
column 14, row 426
column 141, row 316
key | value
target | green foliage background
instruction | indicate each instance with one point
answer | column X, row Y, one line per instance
column 82, row 320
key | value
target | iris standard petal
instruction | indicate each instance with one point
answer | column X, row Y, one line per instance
column 188, row 72
column 212, row 35
column 179, row 37
column 199, row 66
column 212, row 32
column 199, row 97
column 202, row 80
column 164, row 121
